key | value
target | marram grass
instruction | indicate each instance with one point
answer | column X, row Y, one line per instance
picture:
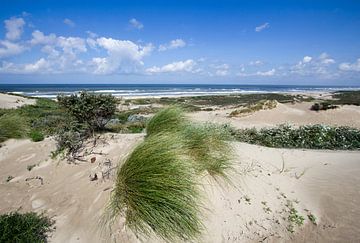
column 157, row 192
column 157, row 187
column 170, row 119
column 208, row 146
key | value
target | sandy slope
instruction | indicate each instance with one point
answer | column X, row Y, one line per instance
column 297, row 114
column 253, row 209
column 13, row 101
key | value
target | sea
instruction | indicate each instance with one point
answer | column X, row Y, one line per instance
column 159, row 90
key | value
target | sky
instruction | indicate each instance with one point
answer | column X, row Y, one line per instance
column 166, row 41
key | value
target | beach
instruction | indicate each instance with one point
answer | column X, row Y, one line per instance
column 267, row 183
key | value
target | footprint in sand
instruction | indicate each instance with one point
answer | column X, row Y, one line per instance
column 38, row 203
column 26, row 157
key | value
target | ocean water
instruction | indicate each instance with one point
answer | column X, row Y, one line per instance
column 144, row 90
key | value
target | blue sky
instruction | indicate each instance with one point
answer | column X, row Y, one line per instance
column 241, row 42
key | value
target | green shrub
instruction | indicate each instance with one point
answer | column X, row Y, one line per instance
column 70, row 139
column 92, row 109
column 208, row 147
column 36, row 136
column 13, row 126
column 27, row 227
column 170, row 119
column 156, row 191
column 323, row 106
column 309, row 136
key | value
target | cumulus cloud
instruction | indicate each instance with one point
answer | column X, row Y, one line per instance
column 38, row 38
column 320, row 67
column 8, row 48
column 40, row 65
column 181, row 66
column 124, row 56
column 307, row 59
column 69, row 22
column 134, row 23
column 346, row 66
column 262, row 27
column 326, row 59
column 14, row 28
column 174, row 44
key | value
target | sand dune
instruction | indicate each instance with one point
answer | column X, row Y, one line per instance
column 253, row 209
column 296, row 114
column 13, row 101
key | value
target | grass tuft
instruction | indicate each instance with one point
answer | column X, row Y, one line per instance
column 13, row 126
column 156, row 191
column 170, row 119
column 27, row 227
column 209, row 148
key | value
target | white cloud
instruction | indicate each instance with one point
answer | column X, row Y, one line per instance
column 346, row 66
column 8, row 48
column 181, row 66
column 266, row 73
column 40, row 65
column 69, row 22
column 91, row 34
column 307, row 59
column 123, row 56
column 136, row 24
column 256, row 63
column 174, row 44
column 221, row 69
column 14, row 28
column 320, row 67
column 262, row 27
column 325, row 59
column 38, row 38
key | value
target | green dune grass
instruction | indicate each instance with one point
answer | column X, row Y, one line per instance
column 156, row 191
column 208, row 146
column 170, row 119
column 157, row 187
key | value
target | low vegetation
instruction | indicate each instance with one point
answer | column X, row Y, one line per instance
column 346, row 98
column 26, row 227
column 13, row 126
column 309, row 136
column 323, row 106
column 89, row 108
column 261, row 105
column 208, row 147
column 166, row 120
column 156, row 190
column 197, row 103
column 157, row 187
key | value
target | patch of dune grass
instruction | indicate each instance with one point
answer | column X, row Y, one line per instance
column 169, row 119
column 156, row 191
column 27, row 227
column 209, row 148
column 13, row 126
column 157, row 186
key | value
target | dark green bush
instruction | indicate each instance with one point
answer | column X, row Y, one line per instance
column 27, row 227
column 92, row 109
column 309, row 136
column 323, row 106
column 36, row 136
